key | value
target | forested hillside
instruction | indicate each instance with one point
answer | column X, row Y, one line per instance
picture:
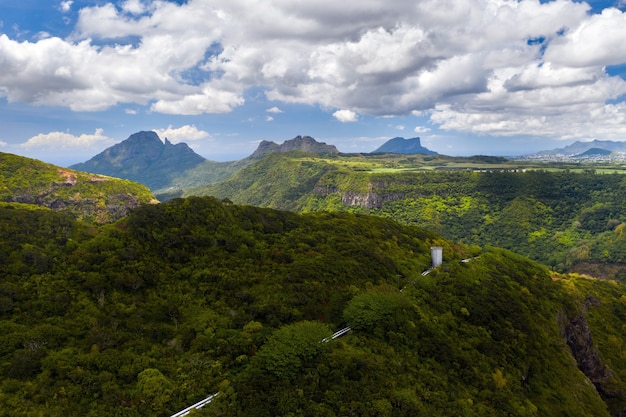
column 562, row 218
column 145, row 316
column 87, row 196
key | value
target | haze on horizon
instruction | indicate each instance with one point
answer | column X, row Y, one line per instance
column 500, row 77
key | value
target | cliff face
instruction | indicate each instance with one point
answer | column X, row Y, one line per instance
column 577, row 334
column 374, row 197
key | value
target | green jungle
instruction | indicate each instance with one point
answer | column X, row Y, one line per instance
column 144, row 309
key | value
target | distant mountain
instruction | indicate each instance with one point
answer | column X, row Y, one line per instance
column 404, row 146
column 144, row 158
column 579, row 147
column 299, row 143
column 86, row 196
column 595, row 152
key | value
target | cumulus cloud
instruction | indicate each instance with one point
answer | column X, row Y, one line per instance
column 495, row 66
column 274, row 110
column 64, row 140
column 345, row 116
column 182, row 134
column 421, row 129
column 133, row 7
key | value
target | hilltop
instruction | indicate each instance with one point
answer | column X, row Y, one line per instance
column 196, row 296
column 85, row 196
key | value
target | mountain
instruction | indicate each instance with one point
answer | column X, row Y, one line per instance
column 144, row 158
column 591, row 152
column 86, row 196
column 299, row 143
column 195, row 297
column 404, row 146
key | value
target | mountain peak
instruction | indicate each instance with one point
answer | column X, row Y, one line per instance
column 144, row 158
column 404, row 146
column 299, row 143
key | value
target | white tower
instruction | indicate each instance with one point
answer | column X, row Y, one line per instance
column 436, row 253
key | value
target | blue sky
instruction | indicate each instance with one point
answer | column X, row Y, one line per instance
column 499, row 77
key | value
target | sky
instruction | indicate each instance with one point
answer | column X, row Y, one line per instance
column 497, row 77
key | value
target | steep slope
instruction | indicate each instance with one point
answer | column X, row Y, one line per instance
column 86, row 196
column 194, row 297
column 404, row 146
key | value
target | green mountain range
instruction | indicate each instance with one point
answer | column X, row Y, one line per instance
column 168, row 169
column 193, row 297
column 85, row 196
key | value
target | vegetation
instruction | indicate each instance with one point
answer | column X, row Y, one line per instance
column 569, row 219
column 86, row 196
column 177, row 301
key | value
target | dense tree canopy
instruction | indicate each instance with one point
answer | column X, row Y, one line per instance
column 152, row 313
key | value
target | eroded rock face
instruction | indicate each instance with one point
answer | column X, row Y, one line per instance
column 578, row 336
column 373, row 198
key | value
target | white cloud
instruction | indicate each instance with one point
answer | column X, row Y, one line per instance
column 131, row 112
column 494, row 66
column 596, row 42
column 421, row 129
column 64, row 140
column 66, row 6
column 269, row 119
column 274, row 110
column 133, row 7
column 345, row 116
column 182, row 134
